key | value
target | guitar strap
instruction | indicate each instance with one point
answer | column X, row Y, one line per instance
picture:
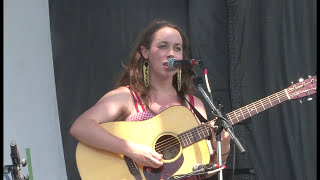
column 200, row 117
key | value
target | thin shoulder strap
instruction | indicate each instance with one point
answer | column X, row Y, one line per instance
column 140, row 102
column 137, row 100
column 191, row 102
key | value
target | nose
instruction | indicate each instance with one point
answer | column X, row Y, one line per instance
column 171, row 53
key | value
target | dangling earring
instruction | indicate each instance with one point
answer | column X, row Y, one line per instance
column 146, row 73
column 179, row 79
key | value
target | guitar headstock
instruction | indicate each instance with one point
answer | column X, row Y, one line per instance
column 303, row 88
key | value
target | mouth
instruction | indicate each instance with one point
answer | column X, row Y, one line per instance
column 165, row 65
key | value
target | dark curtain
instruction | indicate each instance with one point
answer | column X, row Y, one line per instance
column 251, row 49
column 272, row 43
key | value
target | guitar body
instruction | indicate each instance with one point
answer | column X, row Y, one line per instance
column 96, row 164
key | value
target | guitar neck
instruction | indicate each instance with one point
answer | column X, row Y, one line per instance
column 194, row 135
column 204, row 131
column 254, row 108
column 298, row 90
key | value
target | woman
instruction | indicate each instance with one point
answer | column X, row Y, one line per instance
column 145, row 88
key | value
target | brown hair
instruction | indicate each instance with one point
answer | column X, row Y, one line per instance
column 132, row 72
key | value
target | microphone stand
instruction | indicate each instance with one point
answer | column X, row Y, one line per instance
column 221, row 122
column 15, row 167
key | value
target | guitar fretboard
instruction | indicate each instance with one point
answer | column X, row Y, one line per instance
column 203, row 131
column 194, row 135
column 257, row 107
column 301, row 89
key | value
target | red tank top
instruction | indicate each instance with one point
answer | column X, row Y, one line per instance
column 142, row 114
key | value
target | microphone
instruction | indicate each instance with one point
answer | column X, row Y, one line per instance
column 174, row 64
column 207, row 167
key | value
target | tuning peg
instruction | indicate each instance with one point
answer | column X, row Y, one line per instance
column 300, row 101
column 309, row 99
column 291, row 82
column 309, row 76
column 301, row 79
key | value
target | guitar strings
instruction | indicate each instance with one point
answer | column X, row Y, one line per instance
column 264, row 100
column 262, row 104
column 267, row 100
column 278, row 96
column 165, row 144
column 162, row 145
column 183, row 137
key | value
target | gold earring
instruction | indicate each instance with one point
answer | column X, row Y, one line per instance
column 179, row 79
column 146, row 73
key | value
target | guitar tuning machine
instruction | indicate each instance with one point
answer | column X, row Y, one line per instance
column 301, row 79
column 309, row 99
column 309, row 76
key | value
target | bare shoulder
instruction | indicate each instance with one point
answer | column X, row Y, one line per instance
column 119, row 95
column 116, row 102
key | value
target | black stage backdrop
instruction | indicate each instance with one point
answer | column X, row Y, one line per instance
column 251, row 48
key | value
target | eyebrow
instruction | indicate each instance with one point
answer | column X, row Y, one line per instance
column 166, row 42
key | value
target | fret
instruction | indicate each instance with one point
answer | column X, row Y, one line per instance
column 185, row 138
column 270, row 100
column 255, row 108
column 188, row 135
column 242, row 113
column 204, row 135
column 230, row 118
column 181, row 140
column 284, row 95
column 252, row 109
column 248, row 110
column 262, row 105
column 198, row 132
column 184, row 144
column 194, row 135
column 278, row 97
column 286, row 92
column 236, row 115
column 207, row 130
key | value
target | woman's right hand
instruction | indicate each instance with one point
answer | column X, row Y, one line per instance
column 144, row 155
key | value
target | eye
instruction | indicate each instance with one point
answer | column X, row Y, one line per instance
column 162, row 46
column 178, row 48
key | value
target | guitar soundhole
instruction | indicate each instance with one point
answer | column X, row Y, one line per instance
column 169, row 146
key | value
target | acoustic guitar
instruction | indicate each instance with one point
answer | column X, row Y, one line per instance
column 174, row 133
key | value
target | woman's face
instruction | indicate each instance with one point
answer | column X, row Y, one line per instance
column 166, row 44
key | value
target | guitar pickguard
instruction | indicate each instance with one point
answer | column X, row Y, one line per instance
column 165, row 171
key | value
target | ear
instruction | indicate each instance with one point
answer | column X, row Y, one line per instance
column 144, row 52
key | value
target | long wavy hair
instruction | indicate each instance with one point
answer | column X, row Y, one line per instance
column 132, row 74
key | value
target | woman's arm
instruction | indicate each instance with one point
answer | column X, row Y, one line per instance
column 87, row 129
